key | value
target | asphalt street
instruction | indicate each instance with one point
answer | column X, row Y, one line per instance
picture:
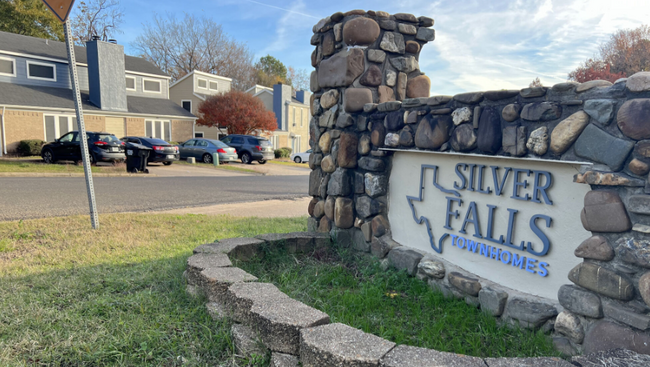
column 37, row 197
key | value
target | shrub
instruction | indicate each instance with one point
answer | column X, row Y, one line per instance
column 278, row 153
column 30, row 147
column 283, row 152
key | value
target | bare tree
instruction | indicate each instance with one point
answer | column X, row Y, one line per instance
column 178, row 47
column 535, row 83
column 96, row 18
column 300, row 78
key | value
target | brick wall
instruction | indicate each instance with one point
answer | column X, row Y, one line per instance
column 135, row 127
column 22, row 125
column 182, row 130
column 94, row 123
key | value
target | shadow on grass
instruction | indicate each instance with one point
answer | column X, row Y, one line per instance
column 107, row 315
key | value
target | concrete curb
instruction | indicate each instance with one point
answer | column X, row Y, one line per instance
column 71, row 174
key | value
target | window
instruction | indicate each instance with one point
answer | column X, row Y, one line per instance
column 158, row 129
column 201, row 143
column 302, row 117
column 187, row 104
column 130, row 83
column 214, row 86
column 7, row 66
column 189, row 143
column 227, row 139
column 198, row 134
column 237, row 140
column 41, row 71
column 202, row 83
column 68, row 138
column 253, row 141
column 57, row 125
column 294, row 116
column 151, row 85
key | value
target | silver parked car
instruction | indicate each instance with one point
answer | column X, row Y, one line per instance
column 202, row 150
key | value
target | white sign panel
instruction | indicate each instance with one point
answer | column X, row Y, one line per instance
column 512, row 221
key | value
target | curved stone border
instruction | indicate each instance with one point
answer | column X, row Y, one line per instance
column 267, row 319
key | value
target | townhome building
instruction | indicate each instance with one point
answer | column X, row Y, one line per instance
column 121, row 94
column 291, row 109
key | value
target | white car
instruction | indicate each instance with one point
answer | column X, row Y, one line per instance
column 301, row 157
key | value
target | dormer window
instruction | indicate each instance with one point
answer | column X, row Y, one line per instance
column 202, row 83
column 7, row 66
column 41, row 71
column 214, row 86
column 130, row 83
column 151, row 85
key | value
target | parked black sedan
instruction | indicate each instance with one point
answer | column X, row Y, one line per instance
column 103, row 147
column 162, row 151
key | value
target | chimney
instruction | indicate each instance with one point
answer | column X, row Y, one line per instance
column 303, row 96
column 106, row 77
column 281, row 97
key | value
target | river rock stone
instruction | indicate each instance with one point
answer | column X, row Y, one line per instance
column 583, row 87
column 461, row 115
column 489, row 131
column 638, row 167
column 312, row 204
column 393, row 42
column 412, row 47
column 347, row 155
column 325, row 142
column 533, row 92
column 639, row 82
column 590, row 144
column 439, row 100
column 463, row 138
column 360, row 31
column 319, row 209
column 372, row 164
column 372, row 77
column 379, row 226
column 356, row 98
column 530, row 313
column 375, row 185
column 635, row 252
column 315, row 177
column 378, row 134
column 511, row 112
column 329, row 98
column 324, row 225
column 344, row 213
column 604, row 212
column 580, row 301
column 595, row 247
column 644, row 287
column 606, row 335
column 543, row 111
column 406, row 137
column 364, row 145
column 328, row 208
column 394, row 121
column 418, row 87
column 391, row 140
column 425, row 34
column 432, row 132
column 493, row 301
column 402, row 80
column 497, row 95
column 469, row 98
column 328, row 119
column 432, row 268
column 376, row 56
column 607, row 179
column 327, row 164
column 327, row 45
column 468, row 285
column 367, row 207
column 569, row 325
column 391, row 78
column 385, row 93
column 341, row 69
column 405, row 64
column 316, row 56
column 601, row 110
column 639, row 204
column 514, row 140
column 313, row 83
column 567, row 131
column 407, row 28
column 602, row 281
column 387, row 24
column 338, row 32
column 339, row 183
column 538, row 141
column 633, row 118
column 626, row 315
column 402, row 258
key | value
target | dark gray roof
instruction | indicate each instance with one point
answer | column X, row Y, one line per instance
column 24, row 95
column 47, row 48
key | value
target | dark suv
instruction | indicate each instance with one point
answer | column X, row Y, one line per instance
column 103, row 147
column 251, row 148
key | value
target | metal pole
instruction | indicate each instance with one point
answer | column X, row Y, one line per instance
column 81, row 128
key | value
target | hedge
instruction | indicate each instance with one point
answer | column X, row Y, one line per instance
column 283, row 152
column 30, row 147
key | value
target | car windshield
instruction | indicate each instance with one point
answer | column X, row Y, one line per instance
column 156, row 141
column 219, row 144
column 108, row 138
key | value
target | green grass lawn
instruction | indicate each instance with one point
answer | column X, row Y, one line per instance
column 223, row 166
column 354, row 290
column 71, row 296
column 17, row 166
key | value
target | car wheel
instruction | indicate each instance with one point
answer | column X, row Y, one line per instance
column 48, row 157
column 207, row 158
column 297, row 160
column 262, row 161
column 246, row 158
column 92, row 159
column 167, row 163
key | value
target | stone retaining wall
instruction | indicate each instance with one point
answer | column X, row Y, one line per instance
column 370, row 99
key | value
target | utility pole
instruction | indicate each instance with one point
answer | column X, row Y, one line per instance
column 61, row 8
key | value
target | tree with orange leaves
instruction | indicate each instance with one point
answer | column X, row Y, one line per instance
column 239, row 112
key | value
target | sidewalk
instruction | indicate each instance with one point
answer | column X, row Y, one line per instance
column 262, row 209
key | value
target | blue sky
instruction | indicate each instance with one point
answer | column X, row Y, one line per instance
column 480, row 45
